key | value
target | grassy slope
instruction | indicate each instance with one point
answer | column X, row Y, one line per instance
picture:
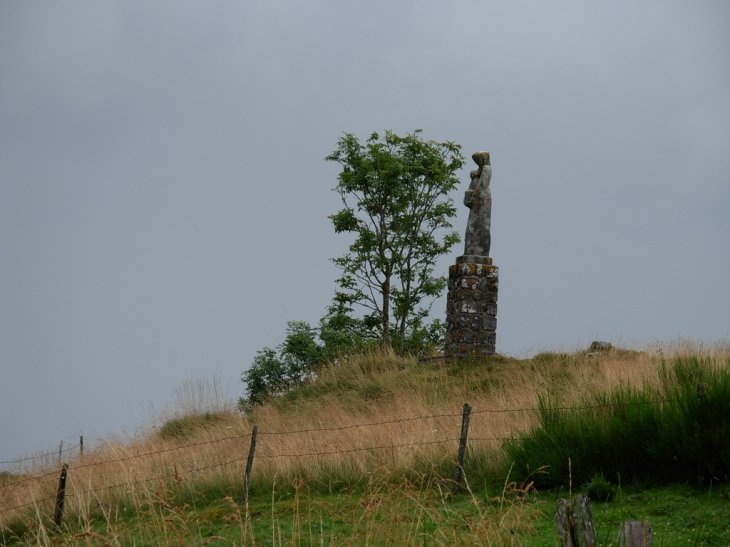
column 393, row 496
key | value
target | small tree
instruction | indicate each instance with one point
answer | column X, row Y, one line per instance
column 343, row 334
column 395, row 196
column 274, row 372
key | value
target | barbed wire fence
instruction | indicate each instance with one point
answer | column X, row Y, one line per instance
column 176, row 474
column 46, row 456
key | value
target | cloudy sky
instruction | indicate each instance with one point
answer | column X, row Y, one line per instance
column 164, row 195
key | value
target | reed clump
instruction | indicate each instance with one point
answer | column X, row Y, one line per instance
column 672, row 428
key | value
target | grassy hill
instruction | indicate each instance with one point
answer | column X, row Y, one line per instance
column 365, row 454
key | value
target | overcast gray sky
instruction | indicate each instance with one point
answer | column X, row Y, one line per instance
column 164, row 195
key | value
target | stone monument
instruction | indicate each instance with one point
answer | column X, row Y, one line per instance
column 471, row 303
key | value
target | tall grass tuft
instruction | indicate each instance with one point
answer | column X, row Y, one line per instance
column 674, row 431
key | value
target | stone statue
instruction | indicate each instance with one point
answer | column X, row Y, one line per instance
column 471, row 303
column 479, row 199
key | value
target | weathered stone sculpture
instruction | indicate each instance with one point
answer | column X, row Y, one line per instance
column 471, row 303
column 479, row 199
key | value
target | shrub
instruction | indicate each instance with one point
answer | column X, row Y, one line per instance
column 276, row 372
column 666, row 434
column 599, row 488
column 184, row 427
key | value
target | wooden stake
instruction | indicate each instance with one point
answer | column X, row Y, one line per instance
column 575, row 524
column 249, row 464
column 635, row 533
column 585, row 530
column 462, row 447
column 60, row 496
column 81, row 446
column 564, row 522
column 60, row 450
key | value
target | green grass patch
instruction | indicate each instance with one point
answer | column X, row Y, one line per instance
column 678, row 514
column 678, row 432
column 185, row 427
column 376, row 513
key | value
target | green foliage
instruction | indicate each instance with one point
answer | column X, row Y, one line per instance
column 184, row 427
column 372, row 391
column 343, row 334
column 599, row 488
column 275, row 372
column 420, row 338
column 361, row 509
column 394, row 191
column 667, row 434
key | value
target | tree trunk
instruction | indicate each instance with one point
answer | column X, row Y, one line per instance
column 386, row 313
column 402, row 327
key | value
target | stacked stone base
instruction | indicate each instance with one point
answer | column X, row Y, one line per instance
column 471, row 307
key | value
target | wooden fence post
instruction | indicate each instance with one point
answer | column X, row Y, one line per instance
column 462, row 447
column 249, row 464
column 575, row 525
column 583, row 521
column 635, row 533
column 60, row 496
column 81, row 446
column 60, row 450
column 564, row 522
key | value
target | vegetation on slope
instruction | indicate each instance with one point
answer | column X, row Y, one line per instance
column 363, row 454
column 676, row 431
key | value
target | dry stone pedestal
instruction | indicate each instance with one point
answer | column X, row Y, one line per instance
column 471, row 307
column 471, row 303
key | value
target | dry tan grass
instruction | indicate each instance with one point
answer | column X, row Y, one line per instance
column 356, row 418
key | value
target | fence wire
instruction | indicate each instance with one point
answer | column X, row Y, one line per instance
column 298, row 455
column 178, row 473
column 46, row 455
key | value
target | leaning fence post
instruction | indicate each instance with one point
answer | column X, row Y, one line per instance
column 462, row 447
column 60, row 496
column 249, row 464
column 563, row 520
column 635, row 533
column 583, row 521
column 575, row 524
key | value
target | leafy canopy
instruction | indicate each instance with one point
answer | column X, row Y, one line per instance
column 395, row 196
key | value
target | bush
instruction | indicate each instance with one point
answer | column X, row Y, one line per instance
column 599, row 488
column 183, row 427
column 275, row 372
column 659, row 434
